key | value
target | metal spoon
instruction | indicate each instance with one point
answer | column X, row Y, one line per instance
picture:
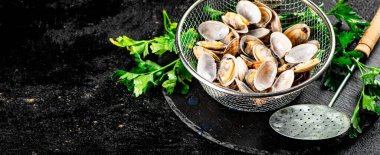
column 317, row 122
column 311, row 121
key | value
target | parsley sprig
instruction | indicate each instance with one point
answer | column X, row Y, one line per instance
column 173, row 77
column 369, row 96
column 344, row 54
column 158, row 45
column 343, row 11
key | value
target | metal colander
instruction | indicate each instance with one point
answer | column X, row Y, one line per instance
column 256, row 102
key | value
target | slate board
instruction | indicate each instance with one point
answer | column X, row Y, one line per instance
column 250, row 132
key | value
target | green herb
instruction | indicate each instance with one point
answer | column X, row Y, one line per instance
column 342, row 59
column 369, row 96
column 158, row 45
column 214, row 14
column 173, row 77
column 304, row 17
column 342, row 11
column 189, row 38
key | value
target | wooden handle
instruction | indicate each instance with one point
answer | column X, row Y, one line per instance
column 371, row 35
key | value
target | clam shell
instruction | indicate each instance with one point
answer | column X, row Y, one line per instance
column 206, row 67
column 241, row 68
column 262, row 53
column 250, row 77
column 236, row 22
column 298, row 34
column 266, row 17
column 265, row 76
column 306, row 66
column 283, row 68
column 227, row 70
column 284, row 81
column 315, row 42
column 243, row 87
column 199, row 51
column 248, row 61
column 233, row 34
column 213, row 30
column 275, row 23
column 280, row 44
column 259, row 33
column 233, row 47
column 301, row 53
column 243, row 44
column 249, row 11
column 212, row 45
column 257, row 64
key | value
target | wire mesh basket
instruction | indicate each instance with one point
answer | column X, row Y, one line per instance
column 257, row 102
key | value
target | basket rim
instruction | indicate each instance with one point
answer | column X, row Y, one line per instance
column 193, row 72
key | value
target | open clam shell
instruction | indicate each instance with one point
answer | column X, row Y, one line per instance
column 233, row 47
column 206, row 67
column 236, row 21
column 275, row 23
column 249, row 11
column 247, row 42
column 213, row 30
column 241, row 68
column 298, row 34
column 262, row 53
column 284, row 81
column 306, row 66
column 243, row 87
column 248, row 61
column 232, row 35
column 266, row 17
column 315, row 42
column 280, row 44
column 199, row 51
column 261, row 33
column 212, row 45
column 265, row 76
column 301, row 53
column 250, row 77
column 227, row 70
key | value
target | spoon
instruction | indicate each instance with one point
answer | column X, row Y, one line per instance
column 315, row 121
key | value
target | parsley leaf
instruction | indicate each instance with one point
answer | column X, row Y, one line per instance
column 147, row 74
column 369, row 96
column 342, row 11
column 158, row 45
column 189, row 38
column 345, row 38
column 214, row 14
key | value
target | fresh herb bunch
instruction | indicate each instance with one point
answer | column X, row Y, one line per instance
column 147, row 74
column 343, row 56
column 369, row 96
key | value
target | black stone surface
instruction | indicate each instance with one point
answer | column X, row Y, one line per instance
column 56, row 94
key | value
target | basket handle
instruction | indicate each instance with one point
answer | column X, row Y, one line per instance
column 371, row 35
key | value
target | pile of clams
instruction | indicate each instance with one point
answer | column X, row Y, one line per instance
column 247, row 50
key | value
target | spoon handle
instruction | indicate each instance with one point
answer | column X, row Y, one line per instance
column 371, row 35
column 366, row 45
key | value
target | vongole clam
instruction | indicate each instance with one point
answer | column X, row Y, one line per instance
column 262, row 59
column 274, row 24
column 298, row 34
column 236, row 22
